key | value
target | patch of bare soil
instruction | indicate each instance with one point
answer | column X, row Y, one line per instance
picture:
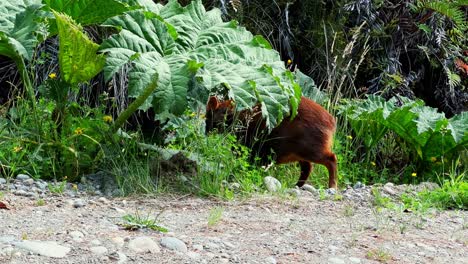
column 261, row 229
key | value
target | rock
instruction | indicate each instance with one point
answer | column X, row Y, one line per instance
column 118, row 256
column 389, row 190
column 143, row 244
column 118, row 241
column 270, row 260
column 41, row 184
column 359, row 185
column 272, row 184
column 330, row 191
column 309, row 188
column 28, row 182
column 229, row 244
column 193, row 255
column 355, row 260
column 77, row 236
column 174, row 244
column 22, row 177
column 24, row 193
column 293, row 192
column 103, row 200
column 335, row 260
column 95, row 242
column 197, row 247
column 78, row 203
column 6, row 239
column 3, row 181
column 44, row 248
column 99, row 250
column 119, row 210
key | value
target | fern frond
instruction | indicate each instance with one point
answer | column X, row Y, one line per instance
column 451, row 10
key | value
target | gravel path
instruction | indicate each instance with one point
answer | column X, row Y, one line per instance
column 307, row 228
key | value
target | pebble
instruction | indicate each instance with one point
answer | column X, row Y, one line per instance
column 41, row 184
column 270, row 260
column 95, row 242
column 355, row 260
column 28, row 182
column 335, row 260
column 118, row 256
column 77, row 236
column 359, row 185
column 174, row 244
column 293, row 192
column 309, row 188
column 78, row 203
column 22, row 177
column 143, row 244
column 118, row 241
column 389, row 190
column 330, row 191
column 44, row 248
column 103, row 200
column 197, row 247
column 99, row 250
column 3, row 181
column 272, row 184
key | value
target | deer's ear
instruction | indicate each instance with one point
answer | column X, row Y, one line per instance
column 213, row 103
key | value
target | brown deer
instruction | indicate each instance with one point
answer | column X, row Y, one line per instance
column 306, row 139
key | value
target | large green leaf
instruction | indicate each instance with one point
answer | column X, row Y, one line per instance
column 197, row 53
column 87, row 12
column 77, row 53
column 18, row 28
column 430, row 133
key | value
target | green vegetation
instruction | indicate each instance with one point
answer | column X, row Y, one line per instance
column 82, row 76
column 137, row 221
column 215, row 216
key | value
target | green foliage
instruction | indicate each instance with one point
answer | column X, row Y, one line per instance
column 87, row 12
column 77, row 54
column 453, row 194
column 137, row 221
column 428, row 132
column 216, row 214
column 58, row 187
column 196, row 53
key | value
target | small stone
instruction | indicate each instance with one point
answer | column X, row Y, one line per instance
column 193, row 255
column 272, row 184
column 389, row 190
column 197, row 247
column 78, row 203
column 28, row 182
column 228, row 244
column 99, row 250
column 355, row 260
column 77, row 236
column 270, row 260
column 24, row 193
column 103, row 200
column 2, row 181
column 309, row 188
column 95, row 242
column 118, row 241
column 293, row 192
column 174, row 244
column 22, row 177
column 118, row 256
column 44, row 248
column 119, row 210
column 359, row 185
column 336, row 260
column 41, row 184
column 330, row 191
column 143, row 244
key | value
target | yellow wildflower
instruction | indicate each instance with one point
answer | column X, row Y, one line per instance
column 107, row 118
column 349, row 137
column 433, row 159
column 289, row 62
column 79, row 131
column 414, row 174
column 74, row 187
column 373, row 163
column 53, row 75
column 17, row 149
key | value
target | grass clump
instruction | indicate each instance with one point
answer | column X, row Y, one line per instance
column 215, row 216
column 137, row 221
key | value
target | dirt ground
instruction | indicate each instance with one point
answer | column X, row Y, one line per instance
column 261, row 229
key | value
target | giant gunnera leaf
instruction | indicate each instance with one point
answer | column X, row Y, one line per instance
column 193, row 53
column 77, row 53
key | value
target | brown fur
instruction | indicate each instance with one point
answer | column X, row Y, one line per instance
column 306, row 139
